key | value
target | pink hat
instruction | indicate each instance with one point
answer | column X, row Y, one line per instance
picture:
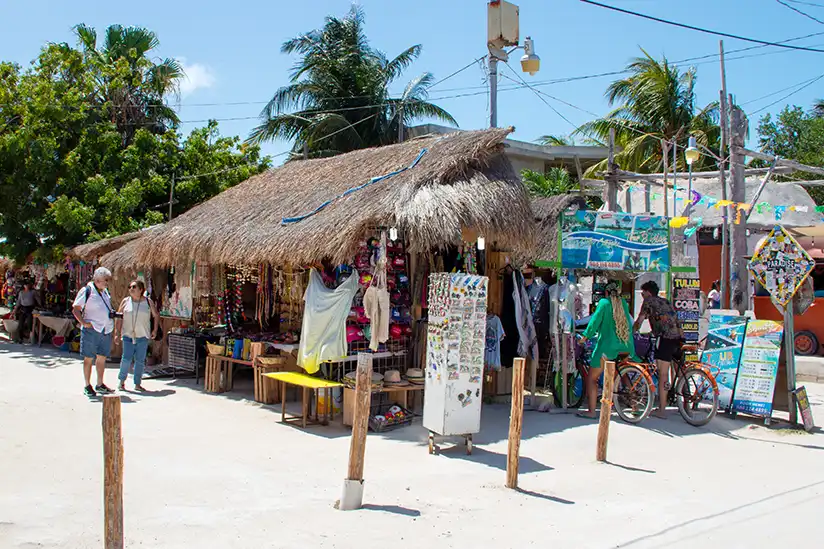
column 353, row 334
column 395, row 331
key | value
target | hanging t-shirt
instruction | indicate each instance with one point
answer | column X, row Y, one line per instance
column 323, row 335
column 494, row 335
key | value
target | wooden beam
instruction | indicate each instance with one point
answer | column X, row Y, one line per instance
column 516, row 419
column 796, row 166
column 606, row 411
column 112, row 473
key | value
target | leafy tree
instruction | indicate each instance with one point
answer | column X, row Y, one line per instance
column 67, row 173
column 555, row 182
column 656, row 101
column 798, row 135
column 338, row 99
column 818, row 108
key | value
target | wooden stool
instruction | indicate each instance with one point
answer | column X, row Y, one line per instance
column 266, row 389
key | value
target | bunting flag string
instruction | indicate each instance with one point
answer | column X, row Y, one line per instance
column 738, row 209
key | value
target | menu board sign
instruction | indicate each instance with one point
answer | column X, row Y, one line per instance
column 725, row 338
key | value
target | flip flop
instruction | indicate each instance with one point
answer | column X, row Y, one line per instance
column 586, row 416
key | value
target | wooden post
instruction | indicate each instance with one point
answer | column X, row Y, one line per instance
column 353, row 485
column 112, row 473
column 611, row 181
column 722, row 166
column 516, row 419
column 606, row 411
column 739, row 277
column 789, row 359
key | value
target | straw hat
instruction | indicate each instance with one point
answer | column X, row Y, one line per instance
column 393, row 377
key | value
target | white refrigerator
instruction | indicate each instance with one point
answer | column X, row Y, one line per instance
column 456, row 339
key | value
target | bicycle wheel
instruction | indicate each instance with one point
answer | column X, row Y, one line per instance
column 632, row 395
column 697, row 401
column 576, row 389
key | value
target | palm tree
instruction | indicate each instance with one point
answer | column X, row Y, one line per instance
column 554, row 182
column 338, row 99
column 565, row 141
column 131, row 86
column 656, row 101
column 818, row 108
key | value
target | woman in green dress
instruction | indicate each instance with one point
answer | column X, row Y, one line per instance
column 611, row 325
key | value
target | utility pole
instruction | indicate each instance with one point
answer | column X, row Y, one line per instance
column 725, row 263
column 171, row 196
column 493, row 90
column 665, row 159
column 400, row 124
column 611, row 183
column 739, row 277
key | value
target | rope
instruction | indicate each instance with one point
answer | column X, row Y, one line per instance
column 289, row 220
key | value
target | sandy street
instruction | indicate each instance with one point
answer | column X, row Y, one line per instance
column 210, row 471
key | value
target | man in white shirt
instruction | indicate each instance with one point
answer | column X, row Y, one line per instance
column 93, row 310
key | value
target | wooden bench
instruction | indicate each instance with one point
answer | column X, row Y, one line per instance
column 218, row 376
column 307, row 383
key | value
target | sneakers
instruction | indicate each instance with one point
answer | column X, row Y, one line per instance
column 103, row 390
column 89, row 392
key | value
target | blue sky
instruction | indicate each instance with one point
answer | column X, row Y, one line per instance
column 232, row 50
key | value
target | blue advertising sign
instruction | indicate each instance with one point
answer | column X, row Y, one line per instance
column 759, row 368
column 614, row 242
column 725, row 339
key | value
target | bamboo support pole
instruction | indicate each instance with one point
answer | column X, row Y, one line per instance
column 112, row 473
column 516, row 420
column 606, row 411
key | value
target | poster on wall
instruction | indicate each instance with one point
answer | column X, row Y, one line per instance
column 179, row 303
column 781, row 265
column 686, row 299
column 456, row 340
column 725, row 338
column 614, row 241
column 759, row 368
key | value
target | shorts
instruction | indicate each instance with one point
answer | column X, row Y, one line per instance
column 94, row 343
column 667, row 349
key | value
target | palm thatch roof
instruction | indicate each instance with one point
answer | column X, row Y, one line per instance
column 546, row 211
column 461, row 181
column 95, row 250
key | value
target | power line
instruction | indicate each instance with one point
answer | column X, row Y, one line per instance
column 776, row 92
column 806, row 3
column 796, row 10
column 700, row 29
column 556, row 111
column 807, row 85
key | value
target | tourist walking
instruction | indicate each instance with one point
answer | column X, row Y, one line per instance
column 93, row 310
column 134, row 328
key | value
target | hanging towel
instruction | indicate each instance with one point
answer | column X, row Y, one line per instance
column 528, row 343
column 323, row 335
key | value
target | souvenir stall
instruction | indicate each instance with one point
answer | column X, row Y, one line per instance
column 591, row 248
column 344, row 267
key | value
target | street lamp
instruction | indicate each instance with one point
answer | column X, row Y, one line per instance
column 503, row 29
column 691, row 154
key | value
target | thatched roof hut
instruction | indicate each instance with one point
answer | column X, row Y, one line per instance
column 98, row 248
column 460, row 181
column 546, row 211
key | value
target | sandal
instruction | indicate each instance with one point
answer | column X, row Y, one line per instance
column 586, row 415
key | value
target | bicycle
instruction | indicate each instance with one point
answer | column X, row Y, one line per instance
column 632, row 394
column 693, row 390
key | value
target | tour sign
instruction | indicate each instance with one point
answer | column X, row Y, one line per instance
column 781, row 265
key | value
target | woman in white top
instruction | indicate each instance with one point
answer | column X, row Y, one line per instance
column 134, row 329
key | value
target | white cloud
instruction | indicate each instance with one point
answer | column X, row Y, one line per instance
column 198, row 76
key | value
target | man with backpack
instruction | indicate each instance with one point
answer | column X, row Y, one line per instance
column 93, row 310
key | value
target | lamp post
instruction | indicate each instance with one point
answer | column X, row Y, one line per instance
column 502, row 25
column 691, row 154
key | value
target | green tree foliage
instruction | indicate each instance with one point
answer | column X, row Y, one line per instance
column 338, row 99
column 656, row 101
column 74, row 169
column 797, row 135
column 555, row 182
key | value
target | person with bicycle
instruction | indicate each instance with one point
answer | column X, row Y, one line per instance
column 667, row 330
column 610, row 323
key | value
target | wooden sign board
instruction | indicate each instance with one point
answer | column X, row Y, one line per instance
column 804, row 407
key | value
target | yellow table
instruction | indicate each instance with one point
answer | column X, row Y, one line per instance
column 308, row 383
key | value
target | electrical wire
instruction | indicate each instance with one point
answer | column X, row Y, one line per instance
column 776, row 92
column 807, row 85
column 806, row 3
column 796, row 10
column 699, row 29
